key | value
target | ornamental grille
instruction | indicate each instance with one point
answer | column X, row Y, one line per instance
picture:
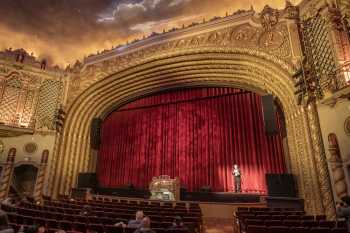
column 9, row 101
column 28, row 109
column 49, row 97
column 317, row 47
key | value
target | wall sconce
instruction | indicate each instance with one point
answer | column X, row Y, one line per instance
column 2, row 147
column 346, row 72
column 347, row 76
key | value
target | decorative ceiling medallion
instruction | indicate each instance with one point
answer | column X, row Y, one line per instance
column 30, row 147
column 2, row 147
column 347, row 126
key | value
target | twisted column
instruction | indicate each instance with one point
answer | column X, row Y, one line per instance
column 39, row 185
column 336, row 164
column 7, row 174
column 319, row 156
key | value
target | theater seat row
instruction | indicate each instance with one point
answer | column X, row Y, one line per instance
column 266, row 220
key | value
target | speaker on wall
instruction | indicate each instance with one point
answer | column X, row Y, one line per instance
column 269, row 113
column 281, row 185
column 95, row 133
column 205, row 189
column 87, row 180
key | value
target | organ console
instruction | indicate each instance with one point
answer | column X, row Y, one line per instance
column 164, row 188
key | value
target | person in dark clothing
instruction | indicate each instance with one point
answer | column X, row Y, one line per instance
column 33, row 229
column 343, row 210
column 4, row 223
column 178, row 224
column 145, row 226
column 86, row 210
column 236, row 173
column 134, row 223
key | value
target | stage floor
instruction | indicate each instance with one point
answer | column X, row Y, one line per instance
column 226, row 197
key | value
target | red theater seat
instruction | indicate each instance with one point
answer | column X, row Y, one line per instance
column 278, row 217
column 256, row 229
column 320, row 217
column 309, row 223
column 291, row 223
column 325, row 223
column 320, row 230
column 263, row 217
column 255, row 222
column 339, row 230
column 293, row 217
column 278, row 229
column 273, row 223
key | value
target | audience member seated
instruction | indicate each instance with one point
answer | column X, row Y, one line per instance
column 4, row 223
column 145, row 226
column 86, row 210
column 61, row 231
column 343, row 210
column 9, row 202
column 33, row 229
column 134, row 223
column 178, row 224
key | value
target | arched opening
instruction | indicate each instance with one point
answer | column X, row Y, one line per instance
column 196, row 134
column 23, row 180
column 208, row 66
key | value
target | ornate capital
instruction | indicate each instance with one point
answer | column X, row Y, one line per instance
column 269, row 18
column 335, row 18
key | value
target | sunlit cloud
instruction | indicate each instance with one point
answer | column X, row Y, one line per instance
column 67, row 30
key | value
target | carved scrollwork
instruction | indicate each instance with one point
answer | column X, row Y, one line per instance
column 269, row 18
column 291, row 11
column 245, row 33
column 335, row 18
column 271, row 40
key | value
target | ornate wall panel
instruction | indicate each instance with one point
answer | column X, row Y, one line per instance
column 49, row 99
column 318, row 48
column 28, row 109
column 344, row 6
column 12, row 89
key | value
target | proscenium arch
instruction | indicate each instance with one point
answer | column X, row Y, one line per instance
column 207, row 67
column 138, row 96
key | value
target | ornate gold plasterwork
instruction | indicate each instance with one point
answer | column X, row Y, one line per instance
column 347, row 126
column 336, row 165
column 274, row 44
column 344, row 6
column 320, row 161
column 29, row 97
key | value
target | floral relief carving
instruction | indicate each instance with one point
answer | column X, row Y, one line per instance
column 273, row 42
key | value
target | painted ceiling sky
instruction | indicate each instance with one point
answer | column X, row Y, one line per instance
column 66, row 30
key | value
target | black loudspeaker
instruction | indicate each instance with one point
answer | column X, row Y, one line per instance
column 269, row 111
column 87, row 180
column 95, row 133
column 281, row 185
column 206, row 189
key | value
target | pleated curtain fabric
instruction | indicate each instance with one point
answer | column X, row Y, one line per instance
column 194, row 134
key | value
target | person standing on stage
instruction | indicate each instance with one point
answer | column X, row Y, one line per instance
column 236, row 173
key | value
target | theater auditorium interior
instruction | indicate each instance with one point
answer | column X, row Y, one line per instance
column 175, row 116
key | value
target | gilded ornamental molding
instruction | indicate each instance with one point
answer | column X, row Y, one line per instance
column 265, row 35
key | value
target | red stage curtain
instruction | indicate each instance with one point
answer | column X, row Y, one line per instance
column 196, row 134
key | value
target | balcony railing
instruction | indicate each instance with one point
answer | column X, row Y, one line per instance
column 17, row 121
column 340, row 79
